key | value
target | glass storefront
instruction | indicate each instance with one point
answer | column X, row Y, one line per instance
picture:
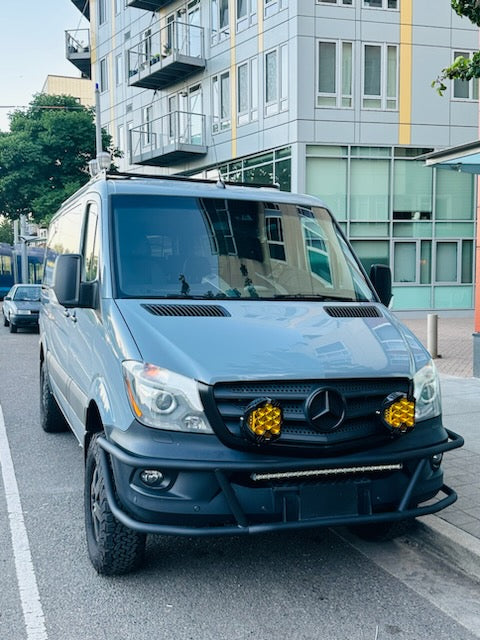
column 397, row 211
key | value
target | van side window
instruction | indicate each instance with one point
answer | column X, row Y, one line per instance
column 63, row 237
column 90, row 247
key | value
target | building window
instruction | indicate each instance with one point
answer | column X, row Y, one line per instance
column 380, row 76
column 118, row 6
column 381, row 4
column 246, row 13
column 465, row 89
column 334, row 81
column 272, row 6
column 276, row 80
column 102, row 11
column 221, row 102
column 147, row 117
column 119, row 69
column 344, row 2
column 103, row 75
column 247, row 91
column 412, row 262
column 220, row 20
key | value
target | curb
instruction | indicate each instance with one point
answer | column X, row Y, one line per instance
column 450, row 543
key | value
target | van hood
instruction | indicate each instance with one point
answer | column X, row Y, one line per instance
column 255, row 340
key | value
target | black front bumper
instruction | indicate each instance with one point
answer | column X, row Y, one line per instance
column 24, row 320
column 229, row 495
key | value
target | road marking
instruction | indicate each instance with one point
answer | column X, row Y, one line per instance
column 27, row 582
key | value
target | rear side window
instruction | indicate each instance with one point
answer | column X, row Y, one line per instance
column 63, row 237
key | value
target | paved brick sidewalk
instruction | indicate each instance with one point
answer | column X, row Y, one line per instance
column 454, row 344
column 461, row 413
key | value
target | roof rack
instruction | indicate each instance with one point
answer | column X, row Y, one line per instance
column 126, row 176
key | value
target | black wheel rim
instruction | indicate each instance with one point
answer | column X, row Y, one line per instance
column 95, row 498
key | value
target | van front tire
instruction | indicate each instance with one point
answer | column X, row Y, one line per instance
column 113, row 548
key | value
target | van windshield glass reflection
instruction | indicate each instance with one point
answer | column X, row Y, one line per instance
column 184, row 247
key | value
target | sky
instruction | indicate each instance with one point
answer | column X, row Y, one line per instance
column 32, row 46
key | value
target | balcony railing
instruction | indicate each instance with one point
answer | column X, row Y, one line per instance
column 176, row 137
column 149, row 5
column 83, row 6
column 167, row 56
column 77, row 47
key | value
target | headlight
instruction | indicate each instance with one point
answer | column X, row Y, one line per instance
column 162, row 399
column 427, row 392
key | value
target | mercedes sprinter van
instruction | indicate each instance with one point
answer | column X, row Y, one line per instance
column 229, row 368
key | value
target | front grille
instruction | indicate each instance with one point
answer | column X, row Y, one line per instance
column 363, row 398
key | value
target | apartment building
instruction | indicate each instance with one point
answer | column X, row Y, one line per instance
column 327, row 97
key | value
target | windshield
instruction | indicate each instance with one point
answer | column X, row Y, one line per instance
column 31, row 294
column 167, row 246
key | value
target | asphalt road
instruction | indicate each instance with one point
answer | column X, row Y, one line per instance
column 310, row 585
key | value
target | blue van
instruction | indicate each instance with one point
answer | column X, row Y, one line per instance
column 229, row 368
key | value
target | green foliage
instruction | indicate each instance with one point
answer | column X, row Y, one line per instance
column 44, row 157
column 468, row 8
column 462, row 68
column 6, row 231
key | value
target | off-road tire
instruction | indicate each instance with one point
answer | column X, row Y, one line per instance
column 52, row 419
column 383, row 531
column 113, row 548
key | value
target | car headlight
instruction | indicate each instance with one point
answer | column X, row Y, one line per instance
column 427, row 393
column 162, row 399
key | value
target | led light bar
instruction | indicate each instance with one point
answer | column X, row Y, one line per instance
column 308, row 473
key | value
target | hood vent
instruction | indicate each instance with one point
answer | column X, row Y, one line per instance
column 193, row 310
column 353, row 312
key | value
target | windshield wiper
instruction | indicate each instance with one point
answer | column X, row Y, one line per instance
column 313, row 296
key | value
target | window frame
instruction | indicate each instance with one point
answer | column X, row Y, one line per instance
column 250, row 114
column 249, row 19
column 280, row 102
column 383, row 98
column 220, row 123
column 384, row 6
column 473, row 84
column 341, row 3
column 103, row 74
column 338, row 94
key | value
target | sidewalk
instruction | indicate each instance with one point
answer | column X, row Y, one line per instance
column 461, row 413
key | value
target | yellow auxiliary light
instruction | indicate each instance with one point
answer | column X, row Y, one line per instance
column 262, row 421
column 398, row 413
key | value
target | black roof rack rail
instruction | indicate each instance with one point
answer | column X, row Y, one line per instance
column 125, row 176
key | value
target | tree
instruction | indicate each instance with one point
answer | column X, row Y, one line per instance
column 6, row 231
column 462, row 68
column 44, row 157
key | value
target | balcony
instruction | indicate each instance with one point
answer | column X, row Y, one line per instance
column 83, row 6
column 77, row 47
column 149, row 5
column 174, row 138
column 167, row 56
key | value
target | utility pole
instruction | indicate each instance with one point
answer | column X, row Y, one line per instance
column 23, row 245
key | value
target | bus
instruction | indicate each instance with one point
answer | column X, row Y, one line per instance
column 11, row 273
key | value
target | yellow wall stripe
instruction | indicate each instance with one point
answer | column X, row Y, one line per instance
column 405, row 89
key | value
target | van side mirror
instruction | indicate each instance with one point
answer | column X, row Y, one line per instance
column 381, row 278
column 69, row 289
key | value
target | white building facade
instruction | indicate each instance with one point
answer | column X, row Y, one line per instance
column 327, row 97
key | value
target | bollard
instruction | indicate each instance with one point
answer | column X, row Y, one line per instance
column 432, row 334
